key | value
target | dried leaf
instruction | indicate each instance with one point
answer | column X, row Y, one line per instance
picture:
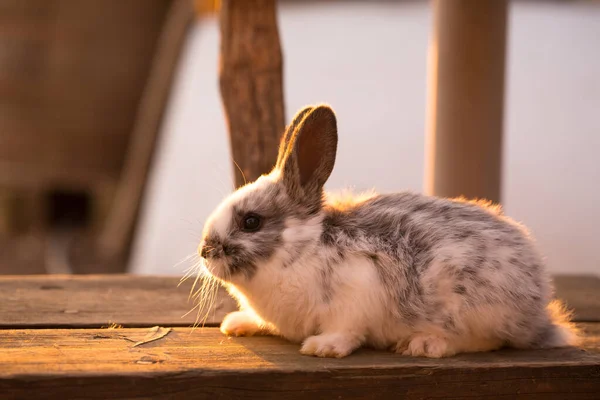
column 99, row 336
column 154, row 333
column 146, row 360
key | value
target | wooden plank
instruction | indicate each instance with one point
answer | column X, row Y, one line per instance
column 205, row 364
column 41, row 301
column 466, row 98
column 96, row 301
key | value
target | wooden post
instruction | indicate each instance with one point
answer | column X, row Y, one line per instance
column 251, row 81
column 466, row 97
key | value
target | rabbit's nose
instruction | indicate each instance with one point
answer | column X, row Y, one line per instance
column 203, row 250
column 210, row 250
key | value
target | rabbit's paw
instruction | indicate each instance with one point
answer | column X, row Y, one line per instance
column 329, row 345
column 427, row 346
column 239, row 323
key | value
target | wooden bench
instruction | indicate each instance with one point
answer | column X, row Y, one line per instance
column 87, row 337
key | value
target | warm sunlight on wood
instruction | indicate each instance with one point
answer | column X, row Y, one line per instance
column 78, row 350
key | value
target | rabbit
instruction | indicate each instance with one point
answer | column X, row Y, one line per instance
column 418, row 275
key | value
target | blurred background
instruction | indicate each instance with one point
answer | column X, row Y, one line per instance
column 114, row 146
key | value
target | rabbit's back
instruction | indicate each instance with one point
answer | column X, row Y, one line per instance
column 452, row 264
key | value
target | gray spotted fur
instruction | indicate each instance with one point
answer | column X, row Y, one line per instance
column 405, row 233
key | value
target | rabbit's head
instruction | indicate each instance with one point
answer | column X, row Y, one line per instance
column 274, row 216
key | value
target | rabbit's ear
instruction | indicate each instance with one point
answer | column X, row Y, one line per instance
column 289, row 132
column 310, row 155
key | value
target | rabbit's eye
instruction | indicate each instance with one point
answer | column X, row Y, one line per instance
column 251, row 223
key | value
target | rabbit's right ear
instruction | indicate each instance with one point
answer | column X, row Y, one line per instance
column 289, row 133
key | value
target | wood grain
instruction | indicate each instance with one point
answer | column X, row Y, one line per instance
column 41, row 301
column 205, row 364
column 96, row 301
column 251, row 83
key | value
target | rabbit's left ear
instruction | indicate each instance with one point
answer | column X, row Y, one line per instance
column 289, row 133
column 310, row 154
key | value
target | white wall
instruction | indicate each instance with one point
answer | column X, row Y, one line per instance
column 369, row 62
